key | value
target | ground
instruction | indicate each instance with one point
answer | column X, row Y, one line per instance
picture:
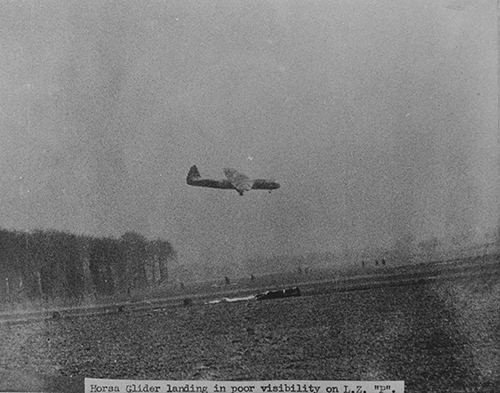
column 438, row 337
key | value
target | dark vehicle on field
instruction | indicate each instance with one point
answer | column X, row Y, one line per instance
column 279, row 293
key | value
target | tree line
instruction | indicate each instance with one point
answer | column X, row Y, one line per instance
column 60, row 265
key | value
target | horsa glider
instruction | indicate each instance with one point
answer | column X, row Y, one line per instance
column 234, row 181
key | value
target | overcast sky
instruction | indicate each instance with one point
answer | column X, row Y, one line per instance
column 378, row 118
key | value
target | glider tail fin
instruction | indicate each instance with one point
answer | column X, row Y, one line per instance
column 193, row 174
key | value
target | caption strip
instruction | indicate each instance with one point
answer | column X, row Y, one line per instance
column 135, row 386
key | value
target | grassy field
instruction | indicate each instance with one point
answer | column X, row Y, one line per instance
column 438, row 336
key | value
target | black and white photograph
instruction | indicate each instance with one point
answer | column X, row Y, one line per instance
column 249, row 190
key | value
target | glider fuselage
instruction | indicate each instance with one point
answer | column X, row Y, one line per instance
column 235, row 181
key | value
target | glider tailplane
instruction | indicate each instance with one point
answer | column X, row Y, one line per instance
column 193, row 174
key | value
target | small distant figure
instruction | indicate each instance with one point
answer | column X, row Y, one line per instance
column 376, row 262
column 383, row 262
column 227, row 280
column 252, row 277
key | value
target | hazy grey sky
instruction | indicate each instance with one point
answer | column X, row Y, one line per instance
column 378, row 118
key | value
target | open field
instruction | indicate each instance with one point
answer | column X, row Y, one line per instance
column 437, row 335
column 313, row 283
